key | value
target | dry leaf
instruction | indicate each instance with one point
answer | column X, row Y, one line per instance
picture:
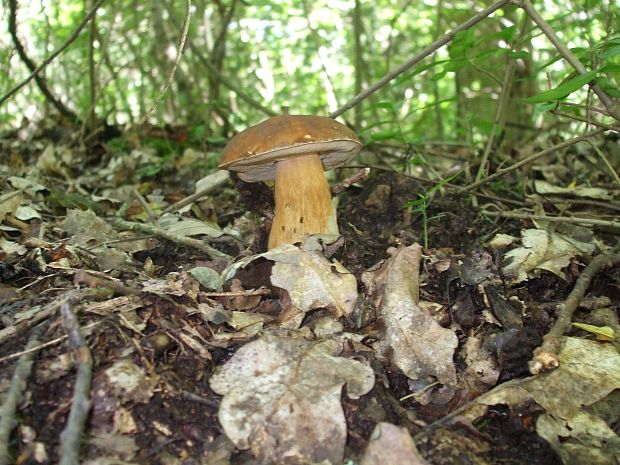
column 412, row 338
column 589, row 373
column 282, row 398
column 391, row 445
column 540, row 250
column 312, row 281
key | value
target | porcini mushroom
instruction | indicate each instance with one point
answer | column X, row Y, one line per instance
column 294, row 150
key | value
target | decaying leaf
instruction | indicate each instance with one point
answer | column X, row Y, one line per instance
column 415, row 342
column 122, row 383
column 312, row 281
column 545, row 188
column 540, row 250
column 589, row 372
column 85, row 228
column 184, row 227
column 391, row 445
column 282, row 398
column 9, row 203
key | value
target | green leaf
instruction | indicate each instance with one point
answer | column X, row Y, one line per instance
column 521, row 54
column 385, row 105
column 506, row 33
column 603, row 333
column 609, row 87
column 565, row 89
column 611, row 52
column 384, row 135
column 73, row 200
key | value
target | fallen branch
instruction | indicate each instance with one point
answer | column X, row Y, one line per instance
column 556, row 219
column 546, row 356
column 15, row 394
column 71, row 436
column 74, row 296
column 155, row 231
column 211, row 182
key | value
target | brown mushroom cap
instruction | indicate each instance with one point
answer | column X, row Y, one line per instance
column 253, row 153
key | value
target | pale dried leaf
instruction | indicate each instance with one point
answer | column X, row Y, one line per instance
column 414, row 341
column 543, row 187
column 9, row 203
column 540, row 250
column 27, row 213
column 186, row 227
column 84, row 228
column 282, row 398
column 588, row 373
column 10, row 248
column 312, row 281
column 391, row 445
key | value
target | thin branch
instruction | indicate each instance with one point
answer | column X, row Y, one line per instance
column 556, row 219
column 40, row 81
column 530, row 159
column 546, row 356
column 589, row 121
column 225, row 81
column 500, row 111
column 211, row 182
column 15, row 395
column 75, row 295
column 419, row 57
column 611, row 107
column 71, row 436
column 58, row 51
column 148, row 229
column 180, row 49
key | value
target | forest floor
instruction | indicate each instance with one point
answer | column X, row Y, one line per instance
column 179, row 340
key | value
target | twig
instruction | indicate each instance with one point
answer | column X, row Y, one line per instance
column 556, row 219
column 419, row 57
column 15, row 394
column 500, row 112
column 211, row 182
column 357, row 177
column 147, row 208
column 598, row 124
column 39, row 80
column 39, row 347
column 71, row 436
column 225, row 81
column 242, row 293
column 612, row 171
column 585, row 107
column 75, row 295
column 568, row 55
column 546, row 356
column 531, row 158
column 154, row 230
column 54, row 54
column 151, row 109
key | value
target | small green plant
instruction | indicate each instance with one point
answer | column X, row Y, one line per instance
column 420, row 205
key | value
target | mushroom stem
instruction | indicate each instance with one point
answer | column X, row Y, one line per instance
column 303, row 201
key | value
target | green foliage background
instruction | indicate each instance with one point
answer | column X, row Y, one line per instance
column 310, row 58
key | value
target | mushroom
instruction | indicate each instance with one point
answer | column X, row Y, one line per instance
column 294, row 150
